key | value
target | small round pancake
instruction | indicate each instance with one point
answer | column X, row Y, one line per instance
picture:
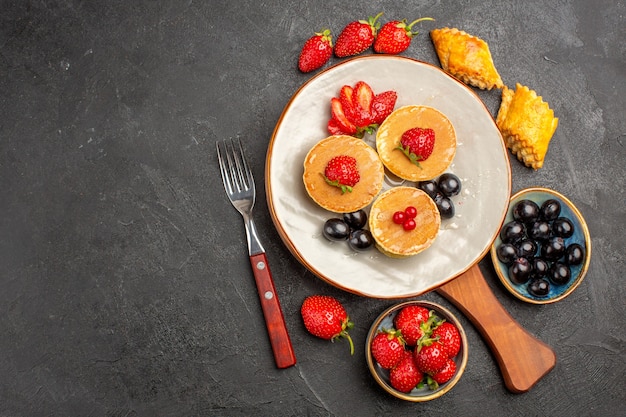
column 408, row 117
column 391, row 238
column 331, row 198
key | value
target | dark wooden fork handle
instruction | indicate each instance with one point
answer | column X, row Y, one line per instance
column 523, row 359
column 274, row 320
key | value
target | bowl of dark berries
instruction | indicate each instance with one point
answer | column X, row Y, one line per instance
column 416, row 350
column 542, row 252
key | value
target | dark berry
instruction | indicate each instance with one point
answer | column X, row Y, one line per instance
column 559, row 273
column 553, row 249
column 527, row 248
column 550, row 209
column 539, row 287
column 512, row 232
column 336, row 229
column 539, row 231
column 449, row 184
column 445, row 206
column 574, row 254
column 429, row 187
column 360, row 240
column 563, row 227
column 507, row 253
column 355, row 220
column 526, row 211
column 540, row 268
column 519, row 271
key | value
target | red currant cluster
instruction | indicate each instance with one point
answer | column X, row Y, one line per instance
column 406, row 218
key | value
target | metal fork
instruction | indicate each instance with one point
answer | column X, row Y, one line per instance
column 239, row 186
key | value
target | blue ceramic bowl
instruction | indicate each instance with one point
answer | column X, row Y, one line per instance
column 580, row 236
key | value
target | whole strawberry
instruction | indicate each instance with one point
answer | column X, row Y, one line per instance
column 444, row 375
column 325, row 317
column 316, row 51
column 431, row 357
column 417, row 144
column 413, row 321
column 395, row 36
column 449, row 336
column 405, row 376
column 388, row 348
column 341, row 171
column 356, row 37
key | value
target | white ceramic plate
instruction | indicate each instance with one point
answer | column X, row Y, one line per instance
column 481, row 162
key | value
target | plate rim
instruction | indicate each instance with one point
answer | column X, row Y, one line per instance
column 287, row 240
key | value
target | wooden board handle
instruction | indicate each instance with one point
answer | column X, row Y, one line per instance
column 274, row 319
column 522, row 358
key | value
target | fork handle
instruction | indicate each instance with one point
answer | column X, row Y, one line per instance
column 274, row 320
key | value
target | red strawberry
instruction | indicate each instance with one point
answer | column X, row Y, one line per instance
column 325, row 317
column 358, row 110
column 409, row 321
column 341, row 171
column 405, row 376
column 431, row 357
column 356, row 37
column 388, row 348
column 338, row 114
column 316, row 51
column 448, row 335
column 417, row 144
column 443, row 376
column 395, row 36
column 382, row 105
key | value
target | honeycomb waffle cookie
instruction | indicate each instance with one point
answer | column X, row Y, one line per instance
column 391, row 238
column 466, row 57
column 527, row 124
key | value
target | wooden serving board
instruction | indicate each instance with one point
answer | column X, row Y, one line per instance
column 523, row 359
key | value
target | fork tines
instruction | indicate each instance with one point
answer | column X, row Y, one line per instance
column 236, row 173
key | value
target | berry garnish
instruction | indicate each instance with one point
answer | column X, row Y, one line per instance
column 399, row 217
column 406, row 218
column 409, row 225
column 341, row 171
column 411, row 212
column 417, row 144
column 358, row 110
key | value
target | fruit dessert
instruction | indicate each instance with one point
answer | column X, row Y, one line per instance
column 466, row 57
column 358, row 110
column 342, row 174
column 527, row 124
column 404, row 221
column 416, row 143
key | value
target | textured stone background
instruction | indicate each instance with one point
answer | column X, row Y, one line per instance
column 124, row 285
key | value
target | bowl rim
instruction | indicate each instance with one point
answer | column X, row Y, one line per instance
column 461, row 364
column 584, row 268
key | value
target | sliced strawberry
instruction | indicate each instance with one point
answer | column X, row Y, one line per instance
column 362, row 102
column 382, row 105
column 346, row 97
column 336, row 110
column 334, row 128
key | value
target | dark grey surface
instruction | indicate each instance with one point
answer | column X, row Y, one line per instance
column 125, row 289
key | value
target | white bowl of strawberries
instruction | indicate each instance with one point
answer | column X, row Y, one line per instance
column 416, row 350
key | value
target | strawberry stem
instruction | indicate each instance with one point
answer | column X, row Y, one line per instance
column 410, row 25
